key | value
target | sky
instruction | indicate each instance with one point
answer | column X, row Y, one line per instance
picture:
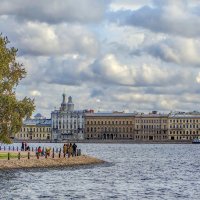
column 109, row 55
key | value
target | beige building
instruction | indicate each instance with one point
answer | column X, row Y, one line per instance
column 183, row 126
column 126, row 126
column 152, row 126
column 113, row 126
column 37, row 129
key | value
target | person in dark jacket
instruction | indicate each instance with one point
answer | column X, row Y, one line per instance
column 65, row 149
column 22, row 147
column 74, row 146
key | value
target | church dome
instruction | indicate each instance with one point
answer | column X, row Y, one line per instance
column 38, row 116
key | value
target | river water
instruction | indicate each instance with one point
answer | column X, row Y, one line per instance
column 133, row 171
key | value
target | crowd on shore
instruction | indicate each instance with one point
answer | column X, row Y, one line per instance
column 69, row 149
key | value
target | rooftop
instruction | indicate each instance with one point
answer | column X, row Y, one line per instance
column 37, row 122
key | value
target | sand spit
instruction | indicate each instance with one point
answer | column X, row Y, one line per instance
column 49, row 162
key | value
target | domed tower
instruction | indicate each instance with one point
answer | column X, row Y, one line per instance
column 70, row 105
column 63, row 104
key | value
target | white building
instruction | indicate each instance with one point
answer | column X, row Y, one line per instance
column 67, row 123
column 36, row 129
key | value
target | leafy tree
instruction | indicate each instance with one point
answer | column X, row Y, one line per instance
column 12, row 110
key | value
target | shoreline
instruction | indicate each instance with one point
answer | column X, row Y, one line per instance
column 49, row 162
column 110, row 141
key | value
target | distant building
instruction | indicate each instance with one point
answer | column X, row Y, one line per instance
column 126, row 126
column 37, row 129
column 152, row 126
column 39, row 116
column 109, row 126
column 183, row 126
column 67, row 123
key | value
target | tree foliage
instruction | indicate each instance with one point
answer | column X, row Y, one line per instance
column 12, row 110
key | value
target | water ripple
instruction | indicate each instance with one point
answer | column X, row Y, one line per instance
column 134, row 171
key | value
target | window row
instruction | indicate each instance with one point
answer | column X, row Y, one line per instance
column 115, row 136
column 184, row 120
column 184, row 132
column 43, row 129
column 108, row 122
column 32, row 136
column 153, row 121
column 185, row 126
column 105, row 129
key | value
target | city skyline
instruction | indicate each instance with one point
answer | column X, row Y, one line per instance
column 108, row 55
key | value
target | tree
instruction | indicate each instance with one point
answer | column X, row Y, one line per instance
column 12, row 110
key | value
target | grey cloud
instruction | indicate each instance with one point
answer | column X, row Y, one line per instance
column 181, row 51
column 105, row 71
column 97, row 92
column 172, row 17
column 53, row 11
column 109, row 70
column 39, row 39
column 128, row 4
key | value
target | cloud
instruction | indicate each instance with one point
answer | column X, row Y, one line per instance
column 35, row 93
column 198, row 78
column 109, row 70
column 165, row 16
column 52, row 11
column 41, row 39
column 128, row 4
column 182, row 51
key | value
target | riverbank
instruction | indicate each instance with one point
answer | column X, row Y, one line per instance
column 112, row 141
column 49, row 162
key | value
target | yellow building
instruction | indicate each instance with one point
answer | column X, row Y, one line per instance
column 37, row 129
column 114, row 126
column 183, row 126
column 126, row 126
column 152, row 126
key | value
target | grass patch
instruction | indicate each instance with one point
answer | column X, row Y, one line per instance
column 4, row 155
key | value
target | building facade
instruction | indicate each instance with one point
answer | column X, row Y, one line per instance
column 37, row 129
column 113, row 126
column 152, row 126
column 183, row 126
column 67, row 123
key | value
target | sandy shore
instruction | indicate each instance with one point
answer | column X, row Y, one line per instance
column 49, row 162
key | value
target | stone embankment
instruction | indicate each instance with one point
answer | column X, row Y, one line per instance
column 49, row 162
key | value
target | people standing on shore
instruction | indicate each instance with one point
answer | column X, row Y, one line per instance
column 70, row 150
column 42, row 153
column 47, row 151
column 25, row 145
column 74, row 146
column 67, row 145
column 39, row 150
column 22, row 147
column 65, row 149
column 27, row 148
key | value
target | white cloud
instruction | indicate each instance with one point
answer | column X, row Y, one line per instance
column 183, row 51
column 52, row 11
column 164, row 16
column 35, row 93
column 128, row 4
column 198, row 78
column 44, row 39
